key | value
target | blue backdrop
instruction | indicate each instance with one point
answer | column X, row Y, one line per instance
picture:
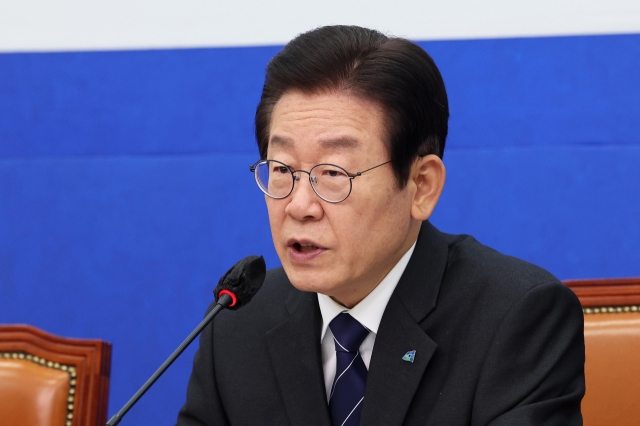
column 125, row 190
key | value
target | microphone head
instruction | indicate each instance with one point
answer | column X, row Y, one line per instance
column 243, row 280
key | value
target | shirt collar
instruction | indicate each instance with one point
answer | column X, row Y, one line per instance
column 370, row 309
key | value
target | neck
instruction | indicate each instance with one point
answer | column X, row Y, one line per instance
column 358, row 291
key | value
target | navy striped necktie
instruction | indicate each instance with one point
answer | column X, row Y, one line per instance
column 347, row 393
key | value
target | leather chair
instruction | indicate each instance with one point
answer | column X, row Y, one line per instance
column 46, row 380
column 612, row 343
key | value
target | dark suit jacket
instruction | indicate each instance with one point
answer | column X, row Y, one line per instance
column 498, row 341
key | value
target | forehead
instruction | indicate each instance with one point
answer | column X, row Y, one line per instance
column 334, row 122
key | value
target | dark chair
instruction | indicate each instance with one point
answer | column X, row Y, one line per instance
column 46, row 380
column 612, row 342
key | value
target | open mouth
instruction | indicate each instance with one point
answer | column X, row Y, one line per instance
column 304, row 248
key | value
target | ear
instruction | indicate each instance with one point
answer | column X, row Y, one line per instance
column 427, row 179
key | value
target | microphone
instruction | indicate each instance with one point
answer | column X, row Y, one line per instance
column 241, row 282
column 234, row 290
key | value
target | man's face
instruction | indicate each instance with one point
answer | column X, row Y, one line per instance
column 342, row 250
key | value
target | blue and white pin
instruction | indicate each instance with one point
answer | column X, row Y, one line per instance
column 409, row 356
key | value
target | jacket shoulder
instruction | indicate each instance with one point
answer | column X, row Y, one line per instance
column 481, row 281
column 480, row 267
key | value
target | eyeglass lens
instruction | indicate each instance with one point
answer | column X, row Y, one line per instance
column 330, row 182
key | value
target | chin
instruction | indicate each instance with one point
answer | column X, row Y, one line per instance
column 308, row 280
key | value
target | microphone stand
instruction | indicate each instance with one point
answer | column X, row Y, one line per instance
column 224, row 302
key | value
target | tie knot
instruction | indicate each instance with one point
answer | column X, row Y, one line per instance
column 347, row 332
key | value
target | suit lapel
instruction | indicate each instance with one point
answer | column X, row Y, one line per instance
column 294, row 345
column 294, row 348
column 392, row 382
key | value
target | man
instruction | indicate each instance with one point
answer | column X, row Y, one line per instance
column 377, row 318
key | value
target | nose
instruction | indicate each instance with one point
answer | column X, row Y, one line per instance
column 303, row 204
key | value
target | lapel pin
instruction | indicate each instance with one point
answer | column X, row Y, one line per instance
column 409, row 356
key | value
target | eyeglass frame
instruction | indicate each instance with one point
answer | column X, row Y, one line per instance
column 254, row 167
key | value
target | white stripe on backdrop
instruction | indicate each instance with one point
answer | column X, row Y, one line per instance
column 43, row 25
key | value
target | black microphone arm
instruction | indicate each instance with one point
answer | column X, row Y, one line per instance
column 234, row 290
column 224, row 302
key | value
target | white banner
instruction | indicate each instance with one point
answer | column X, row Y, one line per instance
column 41, row 25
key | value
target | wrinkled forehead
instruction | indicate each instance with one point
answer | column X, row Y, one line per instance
column 327, row 123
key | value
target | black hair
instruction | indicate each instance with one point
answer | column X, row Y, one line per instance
column 393, row 72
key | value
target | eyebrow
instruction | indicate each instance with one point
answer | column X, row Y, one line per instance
column 337, row 143
column 277, row 140
column 344, row 142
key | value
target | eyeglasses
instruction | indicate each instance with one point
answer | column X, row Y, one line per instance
column 330, row 182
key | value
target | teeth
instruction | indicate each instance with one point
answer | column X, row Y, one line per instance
column 305, row 247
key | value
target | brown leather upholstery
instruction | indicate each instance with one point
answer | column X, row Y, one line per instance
column 47, row 380
column 32, row 394
column 612, row 345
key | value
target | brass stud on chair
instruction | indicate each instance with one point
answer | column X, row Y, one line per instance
column 611, row 309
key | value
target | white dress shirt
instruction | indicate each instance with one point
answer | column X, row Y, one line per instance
column 368, row 312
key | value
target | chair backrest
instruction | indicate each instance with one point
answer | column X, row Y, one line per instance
column 46, row 380
column 612, row 343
